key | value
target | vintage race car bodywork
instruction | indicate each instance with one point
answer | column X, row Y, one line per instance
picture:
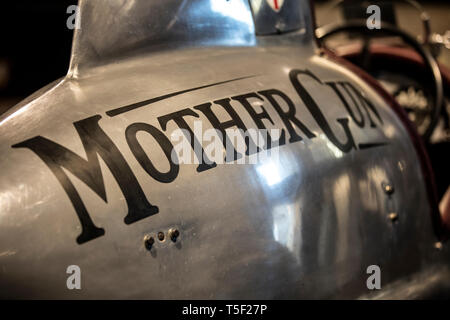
column 86, row 172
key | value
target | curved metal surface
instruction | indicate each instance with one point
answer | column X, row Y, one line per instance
column 111, row 30
column 306, row 226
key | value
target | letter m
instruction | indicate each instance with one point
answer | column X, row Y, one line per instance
column 96, row 143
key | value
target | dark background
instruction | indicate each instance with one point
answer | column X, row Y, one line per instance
column 35, row 46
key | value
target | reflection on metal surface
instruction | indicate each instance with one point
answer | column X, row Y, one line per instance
column 234, row 9
column 393, row 216
column 7, row 253
column 278, row 16
column 305, row 226
column 113, row 29
column 286, row 229
column 333, row 149
column 271, row 173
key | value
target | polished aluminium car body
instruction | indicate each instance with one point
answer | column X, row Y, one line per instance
column 84, row 179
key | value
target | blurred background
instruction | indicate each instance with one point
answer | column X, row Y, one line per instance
column 406, row 17
column 399, row 67
column 35, row 46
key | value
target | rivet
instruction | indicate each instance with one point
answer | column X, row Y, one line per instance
column 148, row 242
column 388, row 188
column 161, row 236
column 438, row 245
column 393, row 216
column 173, row 234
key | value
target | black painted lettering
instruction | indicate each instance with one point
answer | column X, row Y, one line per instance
column 143, row 159
column 367, row 105
column 317, row 113
column 96, row 143
column 336, row 88
column 205, row 163
column 222, row 126
column 288, row 116
column 256, row 116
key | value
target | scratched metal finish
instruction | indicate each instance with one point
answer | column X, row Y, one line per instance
column 304, row 227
